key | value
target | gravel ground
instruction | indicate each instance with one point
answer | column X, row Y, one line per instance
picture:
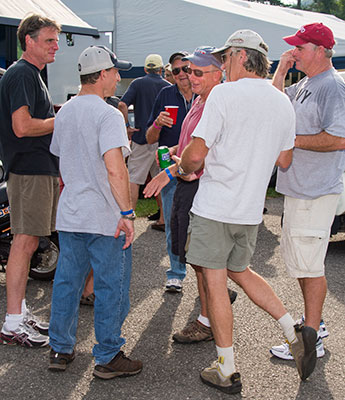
column 171, row 371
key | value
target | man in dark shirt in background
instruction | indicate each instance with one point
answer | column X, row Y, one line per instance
column 141, row 93
column 162, row 130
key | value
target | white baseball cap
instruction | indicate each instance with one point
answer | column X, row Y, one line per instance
column 244, row 38
column 96, row 58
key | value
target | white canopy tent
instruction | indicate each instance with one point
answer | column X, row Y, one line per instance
column 156, row 26
column 11, row 12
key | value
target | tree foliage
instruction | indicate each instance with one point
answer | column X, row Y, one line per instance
column 335, row 7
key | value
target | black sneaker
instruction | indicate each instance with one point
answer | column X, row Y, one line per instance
column 59, row 361
column 120, row 366
column 155, row 216
column 24, row 335
column 304, row 350
column 232, row 295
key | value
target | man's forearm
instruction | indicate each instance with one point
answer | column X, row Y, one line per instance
column 322, row 142
column 118, row 178
column 34, row 127
column 193, row 156
column 119, row 184
column 152, row 134
column 124, row 109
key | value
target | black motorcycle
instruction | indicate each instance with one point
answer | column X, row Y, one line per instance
column 44, row 261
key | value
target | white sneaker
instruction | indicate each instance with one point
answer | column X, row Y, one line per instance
column 283, row 351
column 322, row 332
column 24, row 336
column 173, row 285
column 35, row 322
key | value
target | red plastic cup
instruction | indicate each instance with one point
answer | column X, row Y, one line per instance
column 172, row 110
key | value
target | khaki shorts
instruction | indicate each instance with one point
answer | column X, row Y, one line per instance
column 141, row 161
column 218, row 245
column 305, row 234
column 33, row 200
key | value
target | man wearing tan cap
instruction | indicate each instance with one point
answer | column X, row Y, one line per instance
column 141, row 93
column 247, row 126
column 313, row 181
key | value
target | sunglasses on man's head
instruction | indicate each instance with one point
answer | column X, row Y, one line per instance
column 177, row 70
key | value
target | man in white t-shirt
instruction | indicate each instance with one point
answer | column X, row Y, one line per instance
column 94, row 218
column 246, row 128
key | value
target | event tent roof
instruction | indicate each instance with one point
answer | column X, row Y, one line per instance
column 153, row 26
column 12, row 11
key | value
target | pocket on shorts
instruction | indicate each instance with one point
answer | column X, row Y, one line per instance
column 308, row 248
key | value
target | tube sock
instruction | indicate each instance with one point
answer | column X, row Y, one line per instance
column 12, row 321
column 226, row 360
column 287, row 323
column 204, row 320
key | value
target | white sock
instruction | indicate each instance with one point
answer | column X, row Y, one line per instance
column 287, row 323
column 12, row 321
column 24, row 309
column 204, row 320
column 226, row 360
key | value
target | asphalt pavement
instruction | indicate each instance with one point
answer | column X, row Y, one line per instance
column 171, row 371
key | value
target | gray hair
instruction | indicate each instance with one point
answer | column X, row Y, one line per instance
column 257, row 62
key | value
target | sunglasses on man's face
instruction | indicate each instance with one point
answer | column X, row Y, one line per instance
column 224, row 56
column 177, row 70
column 197, row 72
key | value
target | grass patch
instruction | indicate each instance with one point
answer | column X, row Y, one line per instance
column 146, row 207
column 272, row 193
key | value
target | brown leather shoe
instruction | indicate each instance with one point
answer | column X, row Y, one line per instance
column 120, row 366
column 158, row 227
column 193, row 332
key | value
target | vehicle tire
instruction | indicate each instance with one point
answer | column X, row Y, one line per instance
column 44, row 261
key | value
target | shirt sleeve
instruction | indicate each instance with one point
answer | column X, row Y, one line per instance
column 157, row 107
column 23, row 93
column 129, row 97
column 112, row 132
column 291, row 91
column 54, row 145
column 331, row 109
column 210, row 125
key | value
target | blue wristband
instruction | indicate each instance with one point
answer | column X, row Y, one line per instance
column 127, row 212
column 169, row 174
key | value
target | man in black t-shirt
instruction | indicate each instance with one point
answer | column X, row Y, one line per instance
column 27, row 123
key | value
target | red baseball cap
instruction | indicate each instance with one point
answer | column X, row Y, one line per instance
column 315, row 33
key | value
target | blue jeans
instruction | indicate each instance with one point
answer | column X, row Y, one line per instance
column 112, row 273
column 177, row 269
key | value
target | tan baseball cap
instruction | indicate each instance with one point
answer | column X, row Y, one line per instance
column 153, row 61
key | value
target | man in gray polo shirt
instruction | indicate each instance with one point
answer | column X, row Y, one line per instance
column 313, row 181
